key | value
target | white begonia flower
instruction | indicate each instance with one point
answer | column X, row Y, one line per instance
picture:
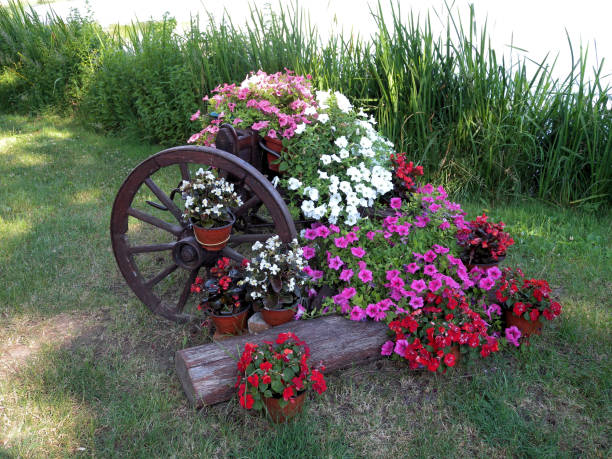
column 200, row 171
column 189, row 201
column 319, row 212
column 294, row 184
column 333, row 188
column 343, row 103
column 343, row 153
column 323, row 118
column 345, row 187
column 372, row 120
column 362, row 113
column 354, row 174
column 257, row 246
column 313, row 193
column 335, row 199
column 300, row 128
column 326, row 159
column 365, row 142
column 310, row 111
column 307, row 208
column 367, row 152
column 341, row 142
column 323, row 175
column 333, row 128
column 334, row 179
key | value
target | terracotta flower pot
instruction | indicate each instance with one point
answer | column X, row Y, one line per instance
column 277, row 146
column 276, row 317
column 279, row 414
column 230, row 324
column 213, row 239
column 485, row 266
column 526, row 327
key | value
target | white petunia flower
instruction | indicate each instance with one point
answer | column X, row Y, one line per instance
column 300, row 128
column 323, row 175
column 294, row 184
column 343, row 103
column 365, row 142
column 307, row 208
column 344, row 153
column 336, row 158
column 326, row 159
column 310, row 111
column 341, row 142
column 323, row 118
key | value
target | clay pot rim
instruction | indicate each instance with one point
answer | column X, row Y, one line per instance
column 246, row 308
column 298, row 394
column 294, row 308
column 231, row 214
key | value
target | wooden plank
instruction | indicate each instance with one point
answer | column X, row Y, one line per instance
column 208, row 373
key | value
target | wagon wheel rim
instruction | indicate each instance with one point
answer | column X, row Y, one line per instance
column 178, row 240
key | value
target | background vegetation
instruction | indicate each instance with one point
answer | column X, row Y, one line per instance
column 477, row 123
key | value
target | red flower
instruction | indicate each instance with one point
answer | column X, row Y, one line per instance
column 244, row 263
column 266, row 379
column 253, row 380
column 247, row 401
column 299, row 384
column 534, row 314
column 265, row 366
column 519, row 309
column 287, row 393
column 450, row 359
column 549, row 315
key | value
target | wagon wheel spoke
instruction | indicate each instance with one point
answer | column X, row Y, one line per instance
column 152, row 248
column 233, row 254
column 165, row 199
column 162, row 275
column 253, row 237
column 185, row 171
column 249, row 204
column 147, row 218
column 186, row 291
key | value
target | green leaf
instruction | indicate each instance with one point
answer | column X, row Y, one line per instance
column 277, row 386
column 268, row 393
column 257, row 405
column 288, row 374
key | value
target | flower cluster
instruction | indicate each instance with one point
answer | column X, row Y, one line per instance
column 208, row 199
column 275, row 274
column 274, row 105
column 405, row 172
column 338, row 165
column 376, row 278
column 526, row 298
column 276, row 369
column 483, row 242
column 221, row 294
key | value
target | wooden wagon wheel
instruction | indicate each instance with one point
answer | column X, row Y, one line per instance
column 136, row 215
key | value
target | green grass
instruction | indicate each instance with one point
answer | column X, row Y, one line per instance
column 86, row 370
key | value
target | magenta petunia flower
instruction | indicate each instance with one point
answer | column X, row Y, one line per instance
column 308, row 252
column 412, row 268
column 400, row 347
column 416, row 302
column 444, row 225
column 392, row 273
column 316, row 274
column 341, row 242
column 397, row 282
column 362, row 264
column 335, row 263
column 346, row 275
column 430, row 270
column 486, row 283
column 323, row 231
column 349, row 292
column 512, row 335
column 310, row 234
column 339, row 299
column 372, row 310
column 351, row 237
column 430, row 256
column 435, row 285
column 494, row 272
column 493, row 308
column 345, row 307
column 418, row 285
column 365, row 275
column 440, row 249
column 370, row 235
column 195, row 116
column 387, row 348
column 357, row 313
column 435, row 207
column 396, row 203
column 358, row 252
column 421, row 221
column 334, row 228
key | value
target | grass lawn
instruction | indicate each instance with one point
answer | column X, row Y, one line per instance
column 86, row 370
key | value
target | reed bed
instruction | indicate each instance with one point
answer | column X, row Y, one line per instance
column 476, row 122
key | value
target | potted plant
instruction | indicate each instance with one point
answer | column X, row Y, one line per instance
column 271, row 104
column 405, row 174
column 223, row 298
column 275, row 278
column 274, row 377
column 484, row 243
column 208, row 203
column 524, row 302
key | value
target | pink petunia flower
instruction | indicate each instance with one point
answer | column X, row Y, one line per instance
column 430, row 256
column 430, row 270
column 435, row 285
column 370, row 235
column 392, row 273
column 387, row 348
column 396, row 203
column 400, row 347
column 358, row 252
column 444, row 225
column 334, row 228
column 341, row 242
column 486, row 283
column 308, row 252
column 310, row 234
column 416, row 302
column 322, row 231
column 272, row 134
column 440, row 249
column 357, row 313
column 349, row 292
column 335, row 263
column 512, row 335
column 412, row 268
column 365, row 275
column 351, row 237
column 195, row 116
column 418, row 285
column 346, row 275
column 260, row 125
column 494, row 272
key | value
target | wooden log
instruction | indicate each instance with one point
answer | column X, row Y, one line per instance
column 208, row 372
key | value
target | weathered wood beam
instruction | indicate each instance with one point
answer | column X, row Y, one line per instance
column 208, row 373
